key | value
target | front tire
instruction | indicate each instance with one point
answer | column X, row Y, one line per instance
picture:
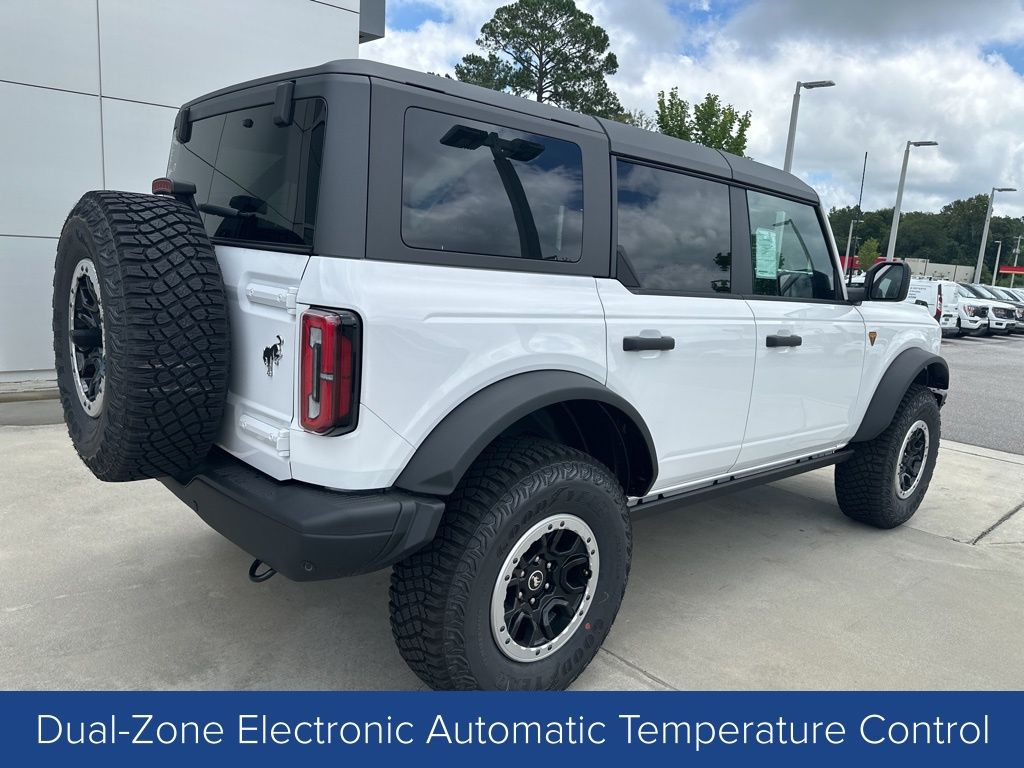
column 524, row 577
column 885, row 480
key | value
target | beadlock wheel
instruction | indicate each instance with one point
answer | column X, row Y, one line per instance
column 86, row 337
column 912, row 459
column 543, row 590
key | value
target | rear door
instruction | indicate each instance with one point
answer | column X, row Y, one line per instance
column 810, row 342
column 257, row 185
column 680, row 341
column 924, row 293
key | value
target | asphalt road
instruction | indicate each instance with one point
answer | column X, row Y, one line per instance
column 986, row 392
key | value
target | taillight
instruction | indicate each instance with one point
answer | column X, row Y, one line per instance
column 938, row 304
column 329, row 395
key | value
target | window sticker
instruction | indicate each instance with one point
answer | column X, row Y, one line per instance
column 766, row 258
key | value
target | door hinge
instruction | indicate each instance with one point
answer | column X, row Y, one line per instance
column 273, row 296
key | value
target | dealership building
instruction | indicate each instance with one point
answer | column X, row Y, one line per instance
column 90, row 89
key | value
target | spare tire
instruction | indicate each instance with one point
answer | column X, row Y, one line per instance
column 140, row 335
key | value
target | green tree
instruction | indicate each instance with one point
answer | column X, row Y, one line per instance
column 868, row 253
column 711, row 123
column 638, row 118
column 963, row 221
column 549, row 50
column 921, row 236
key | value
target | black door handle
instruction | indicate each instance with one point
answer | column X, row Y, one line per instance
column 778, row 340
column 642, row 343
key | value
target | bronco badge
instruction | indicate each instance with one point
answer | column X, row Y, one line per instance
column 272, row 355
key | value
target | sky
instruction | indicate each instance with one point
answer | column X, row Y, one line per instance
column 951, row 71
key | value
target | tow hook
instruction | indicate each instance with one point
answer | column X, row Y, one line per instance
column 262, row 576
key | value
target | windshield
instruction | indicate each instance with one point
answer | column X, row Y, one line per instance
column 1004, row 294
column 970, row 291
column 984, row 292
column 965, row 293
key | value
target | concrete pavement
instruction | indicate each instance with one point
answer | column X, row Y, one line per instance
column 122, row 586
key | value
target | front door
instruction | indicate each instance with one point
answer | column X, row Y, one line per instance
column 680, row 343
column 810, row 343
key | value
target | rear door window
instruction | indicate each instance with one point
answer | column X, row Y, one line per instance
column 256, row 182
column 674, row 231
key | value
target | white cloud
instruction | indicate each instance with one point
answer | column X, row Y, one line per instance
column 903, row 71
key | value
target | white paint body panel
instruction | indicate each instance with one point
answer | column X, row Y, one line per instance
column 260, row 408
column 694, row 398
column 899, row 327
column 720, row 404
column 803, row 397
column 433, row 336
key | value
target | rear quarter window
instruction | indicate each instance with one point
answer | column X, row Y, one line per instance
column 480, row 188
column 256, row 182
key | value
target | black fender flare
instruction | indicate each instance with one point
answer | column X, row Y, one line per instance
column 904, row 370
column 460, row 437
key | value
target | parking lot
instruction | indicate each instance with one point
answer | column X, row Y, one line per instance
column 121, row 586
column 985, row 406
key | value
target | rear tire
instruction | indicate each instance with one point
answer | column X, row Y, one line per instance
column 885, row 480
column 461, row 608
column 140, row 335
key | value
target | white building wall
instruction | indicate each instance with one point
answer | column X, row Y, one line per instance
column 89, row 90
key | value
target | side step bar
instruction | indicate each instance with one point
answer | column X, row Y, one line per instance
column 662, row 503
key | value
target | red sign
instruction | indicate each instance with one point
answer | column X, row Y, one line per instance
column 1011, row 270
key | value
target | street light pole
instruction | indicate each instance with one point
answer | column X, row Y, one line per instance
column 787, row 165
column 984, row 231
column 995, row 272
column 891, row 250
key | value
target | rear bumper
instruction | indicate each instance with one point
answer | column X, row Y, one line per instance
column 304, row 531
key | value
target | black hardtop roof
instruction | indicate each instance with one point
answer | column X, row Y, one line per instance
column 626, row 140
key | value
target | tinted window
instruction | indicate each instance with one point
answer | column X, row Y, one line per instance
column 479, row 188
column 673, row 231
column 256, row 181
column 791, row 257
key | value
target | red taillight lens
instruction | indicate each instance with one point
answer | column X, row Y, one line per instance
column 938, row 303
column 328, row 399
column 162, row 186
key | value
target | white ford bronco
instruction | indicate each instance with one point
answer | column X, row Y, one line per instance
column 378, row 318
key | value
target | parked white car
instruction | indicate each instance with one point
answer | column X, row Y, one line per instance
column 1002, row 316
column 1011, row 297
column 941, row 298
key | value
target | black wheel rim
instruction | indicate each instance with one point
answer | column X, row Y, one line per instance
column 86, row 337
column 545, row 588
column 912, row 459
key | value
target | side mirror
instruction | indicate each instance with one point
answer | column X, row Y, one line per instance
column 887, row 281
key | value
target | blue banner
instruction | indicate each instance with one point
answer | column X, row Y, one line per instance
column 219, row 728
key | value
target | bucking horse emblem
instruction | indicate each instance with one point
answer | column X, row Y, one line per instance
column 272, row 355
